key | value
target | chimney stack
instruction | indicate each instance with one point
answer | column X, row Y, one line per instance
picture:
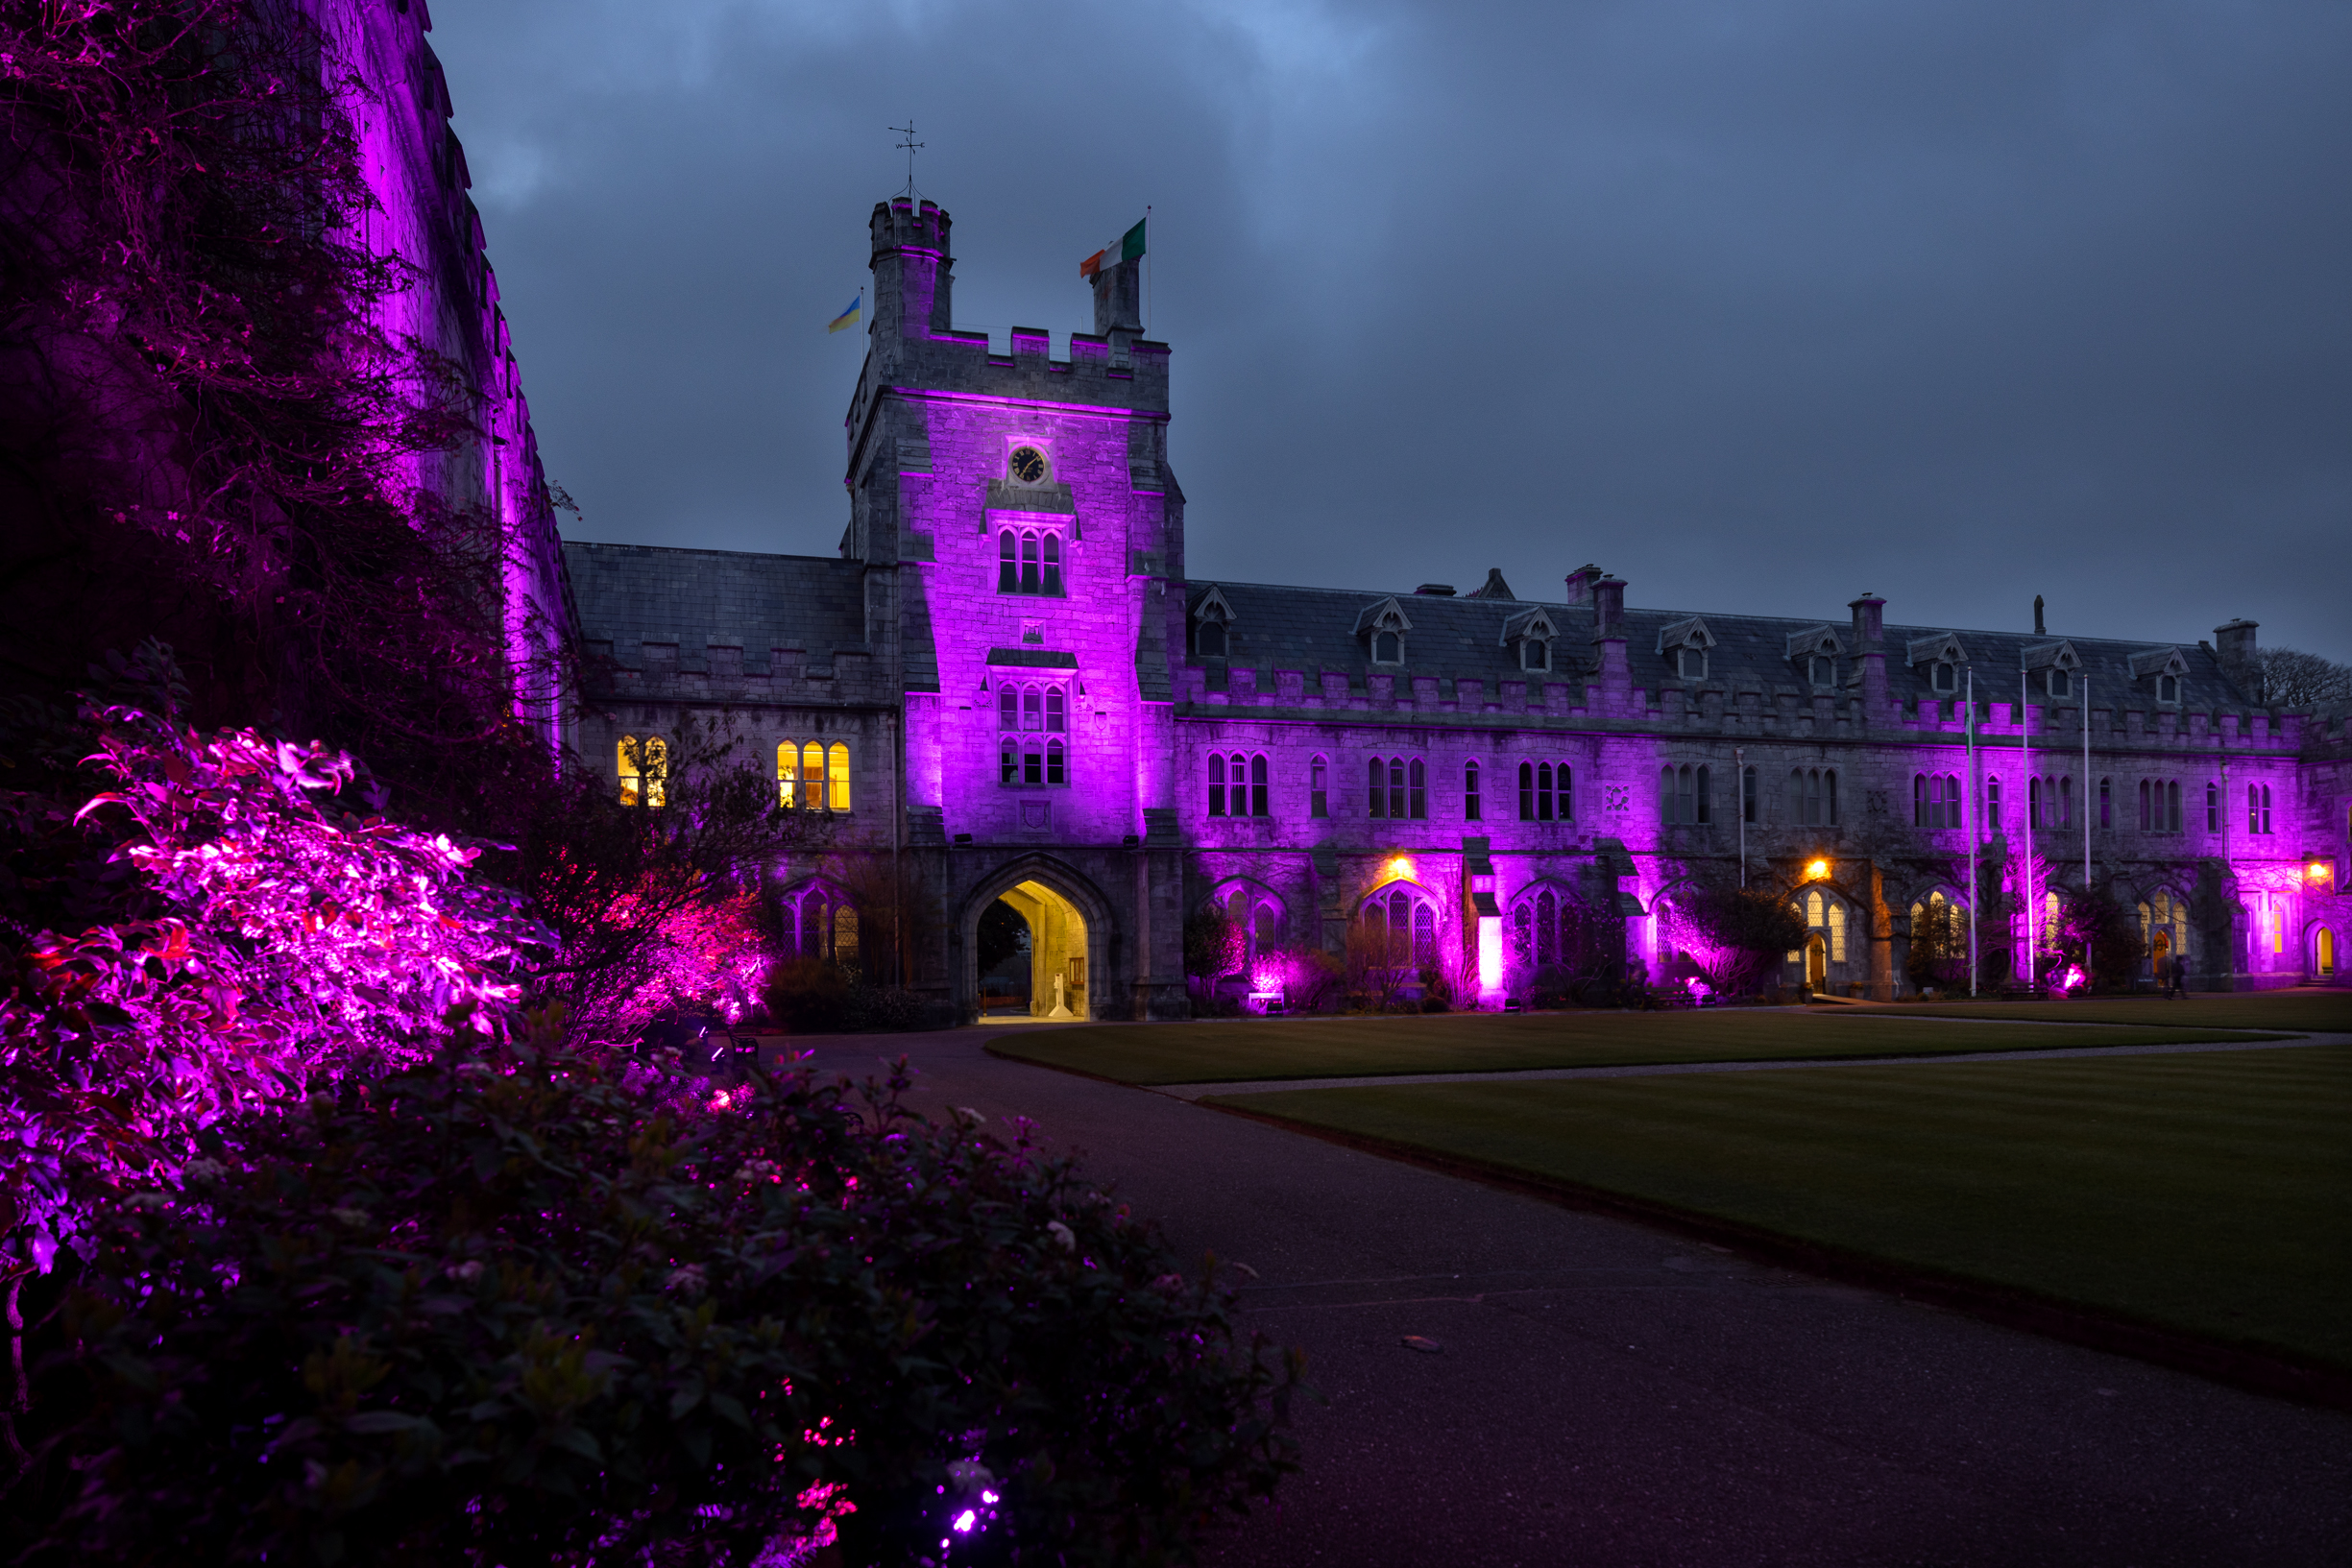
column 2038, row 629
column 1581, row 581
column 1868, row 619
column 2233, row 644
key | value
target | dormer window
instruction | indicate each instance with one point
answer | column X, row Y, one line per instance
column 1685, row 645
column 2057, row 683
column 2168, row 689
column 1944, row 676
column 1212, row 619
column 1383, row 627
column 1528, row 634
column 1822, row 670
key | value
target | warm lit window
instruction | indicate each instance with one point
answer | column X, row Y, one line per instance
column 1319, row 788
column 837, row 777
column 1470, row 791
column 787, row 774
column 644, row 766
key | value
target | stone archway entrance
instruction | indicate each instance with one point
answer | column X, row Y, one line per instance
column 1816, row 963
column 1058, row 947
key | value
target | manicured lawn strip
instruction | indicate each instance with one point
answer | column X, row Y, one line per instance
column 2204, row 1193
column 1258, row 1049
column 2310, row 1011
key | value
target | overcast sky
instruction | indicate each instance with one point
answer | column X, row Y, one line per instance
column 1759, row 305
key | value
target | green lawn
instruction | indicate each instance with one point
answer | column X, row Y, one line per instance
column 2316, row 1011
column 2199, row 1192
column 1234, row 1050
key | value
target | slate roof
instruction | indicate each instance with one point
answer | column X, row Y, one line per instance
column 1314, row 629
column 632, row 594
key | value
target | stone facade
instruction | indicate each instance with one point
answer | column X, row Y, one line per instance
column 1038, row 703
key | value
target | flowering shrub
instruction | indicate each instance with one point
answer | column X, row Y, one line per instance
column 530, row 1315
column 262, row 940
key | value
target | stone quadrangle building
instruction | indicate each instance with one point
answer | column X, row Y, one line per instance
column 1008, row 686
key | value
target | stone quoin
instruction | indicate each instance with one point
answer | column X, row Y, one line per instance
column 1006, row 683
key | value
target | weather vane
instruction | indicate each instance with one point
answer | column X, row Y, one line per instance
column 911, row 145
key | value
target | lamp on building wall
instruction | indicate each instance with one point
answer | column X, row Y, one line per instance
column 1817, row 871
column 2319, row 873
column 1401, row 867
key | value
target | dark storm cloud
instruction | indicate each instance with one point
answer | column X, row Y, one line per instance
column 1760, row 305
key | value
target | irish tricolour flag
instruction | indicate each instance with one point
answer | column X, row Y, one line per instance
column 1128, row 247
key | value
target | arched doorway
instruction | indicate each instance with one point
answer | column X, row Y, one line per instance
column 2323, row 954
column 1056, row 949
column 1816, row 963
column 2160, row 956
column 1071, row 954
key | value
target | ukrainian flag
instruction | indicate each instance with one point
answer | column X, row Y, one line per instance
column 849, row 317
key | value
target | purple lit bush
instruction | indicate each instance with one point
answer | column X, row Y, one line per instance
column 521, row 1314
column 245, row 938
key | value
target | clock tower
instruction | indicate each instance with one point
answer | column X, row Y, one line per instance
column 1018, row 529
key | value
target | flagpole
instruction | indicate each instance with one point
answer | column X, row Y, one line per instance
column 1975, row 827
column 2087, row 969
column 2025, row 743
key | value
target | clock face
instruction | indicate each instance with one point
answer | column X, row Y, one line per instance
column 1028, row 465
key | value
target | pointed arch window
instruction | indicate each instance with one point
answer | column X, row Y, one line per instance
column 1471, row 804
column 1403, row 919
column 1033, row 719
column 1812, row 796
column 1318, row 787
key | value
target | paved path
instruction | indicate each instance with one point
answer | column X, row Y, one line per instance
column 1613, row 1394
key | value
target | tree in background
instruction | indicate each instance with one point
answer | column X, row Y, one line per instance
column 2291, row 678
column 1737, row 934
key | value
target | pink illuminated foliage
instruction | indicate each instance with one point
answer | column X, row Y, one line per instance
column 261, row 940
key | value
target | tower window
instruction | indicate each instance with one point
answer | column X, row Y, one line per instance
column 1034, row 719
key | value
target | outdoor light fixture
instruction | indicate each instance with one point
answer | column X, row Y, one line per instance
column 1401, row 866
column 2318, row 871
column 1818, row 870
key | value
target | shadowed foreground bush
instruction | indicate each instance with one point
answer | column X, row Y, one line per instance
column 520, row 1313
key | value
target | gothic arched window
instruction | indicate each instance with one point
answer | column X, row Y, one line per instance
column 1471, row 804
column 644, row 766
